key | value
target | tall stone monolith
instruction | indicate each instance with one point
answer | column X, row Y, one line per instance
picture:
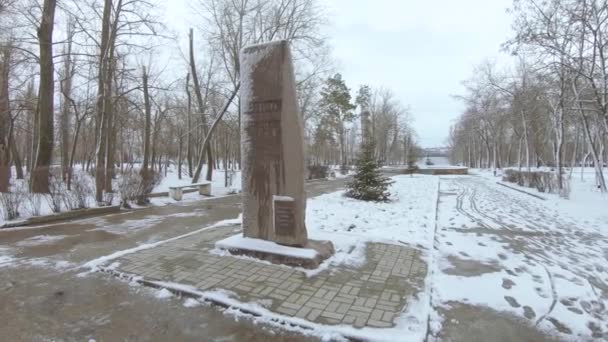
column 272, row 151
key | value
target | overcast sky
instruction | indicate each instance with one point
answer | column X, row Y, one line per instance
column 421, row 50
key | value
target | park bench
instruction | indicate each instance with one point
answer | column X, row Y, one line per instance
column 177, row 192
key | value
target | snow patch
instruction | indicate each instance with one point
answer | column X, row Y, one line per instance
column 163, row 294
column 259, row 245
column 40, row 240
column 191, row 303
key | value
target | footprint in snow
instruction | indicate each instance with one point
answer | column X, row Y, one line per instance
column 507, row 283
column 560, row 326
column 541, row 292
column 575, row 310
column 529, row 312
column 512, row 301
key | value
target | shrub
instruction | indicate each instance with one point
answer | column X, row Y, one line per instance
column 10, row 203
column 82, row 191
column 35, row 203
column 136, row 188
column 543, row 181
column 317, row 171
column 108, row 198
column 57, row 190
column 128, row 183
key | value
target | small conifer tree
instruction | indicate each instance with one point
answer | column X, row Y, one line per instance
column 368, row 183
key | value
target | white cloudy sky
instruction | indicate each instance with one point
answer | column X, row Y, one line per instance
column 421, row 50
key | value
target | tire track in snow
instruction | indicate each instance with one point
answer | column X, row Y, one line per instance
column 432, row 264
column 475, row 209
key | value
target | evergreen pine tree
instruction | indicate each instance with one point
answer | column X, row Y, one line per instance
column 368, row 183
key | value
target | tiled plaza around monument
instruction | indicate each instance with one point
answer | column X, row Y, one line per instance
column 371, row 295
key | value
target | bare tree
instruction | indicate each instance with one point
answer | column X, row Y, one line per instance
column 5, row 171
column 39, row 182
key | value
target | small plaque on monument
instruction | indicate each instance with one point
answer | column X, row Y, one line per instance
column 284, row 216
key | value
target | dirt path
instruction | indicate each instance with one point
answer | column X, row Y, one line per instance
column 43, row 296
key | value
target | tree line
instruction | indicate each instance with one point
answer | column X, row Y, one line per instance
column 551, row 108
column 91, row 86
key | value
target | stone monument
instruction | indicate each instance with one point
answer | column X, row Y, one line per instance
column 272, row 151
column 272, row 156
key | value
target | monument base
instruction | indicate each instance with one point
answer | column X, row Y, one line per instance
column 310, row 256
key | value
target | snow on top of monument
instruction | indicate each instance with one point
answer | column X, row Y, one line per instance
column 283, row 198
column 264, row 44
column 240, row 242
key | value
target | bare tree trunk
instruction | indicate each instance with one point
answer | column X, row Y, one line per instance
column 15, row 156
column 526, row 140
column 207, row 140
column 596, row 161
column 147, row 124
column 519, row 154
column 102, row 94
column 201, row 108
column 39, row 181
column 66, row 91
column 342, row 147
column 179, row 155
column 574, row 153
column 73, row 153
column 110, row 137
column 189, row 121
column 5, row 119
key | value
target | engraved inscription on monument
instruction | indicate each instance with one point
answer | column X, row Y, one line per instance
column 265, row 130
column 259, row 108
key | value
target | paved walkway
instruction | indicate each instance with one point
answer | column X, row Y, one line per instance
column 43, row 298
column 370, row 295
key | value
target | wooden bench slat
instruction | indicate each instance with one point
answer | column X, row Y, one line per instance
column 189, row 185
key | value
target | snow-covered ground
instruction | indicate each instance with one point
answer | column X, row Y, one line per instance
column 542, row 261
column 219, row 184
column 585, row 200
column 39, row 205
column 408, row 219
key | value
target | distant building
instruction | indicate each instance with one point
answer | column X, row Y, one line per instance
column 436, row 151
